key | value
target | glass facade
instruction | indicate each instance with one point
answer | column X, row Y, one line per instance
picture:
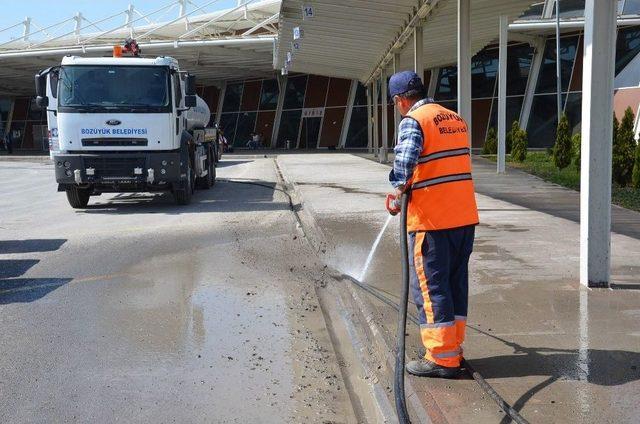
column 543, row 120
column 484, row 78
column 484, row 72
column 570, row 9
column 627, row 46
column 534, row 11
column 447, row 83
column 631, row 7
column 289, row 128
column 358, row 134
column 269, row 95
column 232, row 97
column 547, row 77
column 294, row 94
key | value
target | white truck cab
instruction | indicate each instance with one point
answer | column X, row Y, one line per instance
column 126, row 124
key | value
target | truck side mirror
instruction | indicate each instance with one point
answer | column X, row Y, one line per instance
column 42, row 102
column 190, row 100
column 190, row 85
column 41, row 85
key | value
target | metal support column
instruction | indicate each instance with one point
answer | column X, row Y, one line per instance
column 223, row 91
column 369, row 118
column 384, row 149
column 344, row 132
column 532, row 81
column 396, row 113
column 26, row 30
column 432, row 84
column 464, row 62
column 597, row 109
column 129, row 21
column 376, row 122
column 502, row 94
column 558, row 63
column 418, row 51
column 282, row 87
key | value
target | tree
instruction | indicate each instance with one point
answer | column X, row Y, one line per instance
column 491, row 143
column 576, row 141
column 624, row 145
column 635, row 178
column 520, row 143
column 562, row 148
column 515, row 128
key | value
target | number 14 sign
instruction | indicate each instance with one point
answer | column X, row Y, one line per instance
column 307, row 12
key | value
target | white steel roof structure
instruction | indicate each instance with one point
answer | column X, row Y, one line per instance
column 353, row 41
column 234, row 43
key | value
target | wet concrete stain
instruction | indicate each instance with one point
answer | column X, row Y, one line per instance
column 344, row 189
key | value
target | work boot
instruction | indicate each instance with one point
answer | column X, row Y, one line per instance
column 425, row 368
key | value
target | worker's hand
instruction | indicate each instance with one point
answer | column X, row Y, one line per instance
column 393, row 204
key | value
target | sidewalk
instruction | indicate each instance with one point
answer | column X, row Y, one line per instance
column 553, row 349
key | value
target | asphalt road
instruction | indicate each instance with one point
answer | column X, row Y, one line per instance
column 138, row 310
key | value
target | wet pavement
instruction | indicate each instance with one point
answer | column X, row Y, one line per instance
column 137, row 310
column 556, row 351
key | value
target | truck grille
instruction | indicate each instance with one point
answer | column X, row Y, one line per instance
column 93, row 142
column 114, row 167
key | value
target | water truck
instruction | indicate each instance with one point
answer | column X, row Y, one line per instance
column 126, row 124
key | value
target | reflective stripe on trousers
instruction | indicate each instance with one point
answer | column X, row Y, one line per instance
column 439, row 286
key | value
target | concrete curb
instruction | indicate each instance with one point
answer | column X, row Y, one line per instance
column 383, row 347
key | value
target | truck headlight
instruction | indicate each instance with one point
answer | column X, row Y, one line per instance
column 164, row 163
column 67, row 164
column 68, row 173
column 163, row 171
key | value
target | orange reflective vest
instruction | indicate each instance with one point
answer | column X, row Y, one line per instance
column 442, row 193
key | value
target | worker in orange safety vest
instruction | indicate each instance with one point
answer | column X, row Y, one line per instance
column 433, row 166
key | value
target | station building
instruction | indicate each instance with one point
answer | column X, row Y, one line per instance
column 310, row 111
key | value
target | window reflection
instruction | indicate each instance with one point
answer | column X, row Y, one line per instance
column 357, row 137
column 627, row 46
column 232, row 97
column 294, row 94
column 269, row 95
column 547, row 78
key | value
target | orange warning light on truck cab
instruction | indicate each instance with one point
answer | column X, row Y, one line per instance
column 117, row 51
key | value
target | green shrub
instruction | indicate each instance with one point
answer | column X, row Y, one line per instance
column 491, row 143
column 562, row 148
column 515, row 128
column 624, row 145
column 520, row 144
column 635, row 178
column 576, row 141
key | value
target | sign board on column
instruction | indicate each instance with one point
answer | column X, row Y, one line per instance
column 307, row 11
column 313, row 112
column 298, row 33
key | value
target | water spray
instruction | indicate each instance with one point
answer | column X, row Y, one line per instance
column 374, row 247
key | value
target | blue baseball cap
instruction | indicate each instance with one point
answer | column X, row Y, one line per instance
column 403, row 82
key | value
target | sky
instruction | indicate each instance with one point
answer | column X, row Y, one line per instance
column 48, row 12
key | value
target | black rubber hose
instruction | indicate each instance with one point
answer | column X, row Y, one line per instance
column 398, row 382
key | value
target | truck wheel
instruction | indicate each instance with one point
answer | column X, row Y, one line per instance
column 183, row 194
column 78, row 197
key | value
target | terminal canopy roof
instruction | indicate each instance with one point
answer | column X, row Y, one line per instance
column 229, row 44
column 352, row 39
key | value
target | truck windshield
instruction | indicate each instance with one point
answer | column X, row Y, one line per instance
column 114, row 87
